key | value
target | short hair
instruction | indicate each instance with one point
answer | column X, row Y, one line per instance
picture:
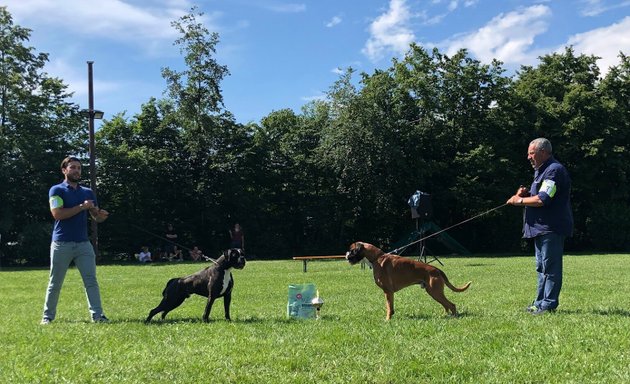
column 542, row 144
column 68, row 160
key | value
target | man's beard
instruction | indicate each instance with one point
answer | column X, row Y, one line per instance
column 74, row 178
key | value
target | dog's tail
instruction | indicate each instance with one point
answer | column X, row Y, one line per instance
column 452, row 287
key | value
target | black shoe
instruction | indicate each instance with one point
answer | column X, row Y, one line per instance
column 542, row 311
column 531, row 308
column 46, row 321
column 100, row 319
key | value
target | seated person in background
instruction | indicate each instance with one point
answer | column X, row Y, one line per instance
column 158, row 254
column 176, row 254
column 195, row 253
column 145, row 255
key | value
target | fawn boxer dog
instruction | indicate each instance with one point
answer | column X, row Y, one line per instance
column 393, row 273
column 212, row 282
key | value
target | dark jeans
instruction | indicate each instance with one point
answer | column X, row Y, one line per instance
column 549, row 249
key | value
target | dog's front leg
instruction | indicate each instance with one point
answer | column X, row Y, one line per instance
column 389, row 298
column 227, row 299
column 206, row 313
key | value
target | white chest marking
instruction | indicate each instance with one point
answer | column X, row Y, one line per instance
column 227, row 277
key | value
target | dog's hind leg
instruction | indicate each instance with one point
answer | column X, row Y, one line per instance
column 168, row 304
column 435, row 289
column 152, row 313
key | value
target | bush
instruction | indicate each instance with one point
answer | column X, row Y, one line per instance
column 609, row 227
column 33, row 245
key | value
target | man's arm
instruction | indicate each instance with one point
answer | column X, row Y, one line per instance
column 66, row 213
column 530, row 201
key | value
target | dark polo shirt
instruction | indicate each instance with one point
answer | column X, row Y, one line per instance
column 64, row 196
column 552, row 184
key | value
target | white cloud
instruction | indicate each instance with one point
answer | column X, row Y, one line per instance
column 337, row 71
column 507, row 37
column 320, row 96
column 390, row 32
column 597, row 7
column 77, row 81
column 334, row 21
column 605, row 42
column 112, row 19
column 287, row 8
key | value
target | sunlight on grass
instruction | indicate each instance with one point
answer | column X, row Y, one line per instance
column 492, row 341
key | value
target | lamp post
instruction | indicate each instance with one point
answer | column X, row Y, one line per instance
column 92, row 114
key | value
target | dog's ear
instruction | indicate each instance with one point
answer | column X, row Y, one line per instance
column 355, row 248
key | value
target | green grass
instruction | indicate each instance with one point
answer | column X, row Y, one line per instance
column 494, row 341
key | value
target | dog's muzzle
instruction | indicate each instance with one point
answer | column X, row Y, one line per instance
column 354, row 256
column 237, row 258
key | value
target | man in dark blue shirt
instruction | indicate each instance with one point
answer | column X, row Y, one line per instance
column 69, row 203
column 548, row 220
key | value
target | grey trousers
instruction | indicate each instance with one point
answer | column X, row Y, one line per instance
column 62, row 253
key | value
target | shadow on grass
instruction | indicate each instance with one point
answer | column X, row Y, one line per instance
column 429, row 316
column 600, row 312
column 612, row 312
column 244, row 320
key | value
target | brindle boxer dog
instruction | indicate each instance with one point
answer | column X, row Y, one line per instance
column 212, row 282
column 393, row 273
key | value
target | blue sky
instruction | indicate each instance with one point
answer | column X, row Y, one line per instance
column 282, row 54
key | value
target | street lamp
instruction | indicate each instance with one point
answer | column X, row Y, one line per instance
column 92, row 114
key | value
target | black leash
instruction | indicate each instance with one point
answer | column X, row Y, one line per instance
column 400, row 249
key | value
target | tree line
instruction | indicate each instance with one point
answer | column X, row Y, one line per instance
column 340, row 170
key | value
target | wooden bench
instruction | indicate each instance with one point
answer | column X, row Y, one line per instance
column 306, row 259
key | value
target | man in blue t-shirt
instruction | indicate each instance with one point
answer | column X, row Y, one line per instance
column 69, row 203
column 548, row 220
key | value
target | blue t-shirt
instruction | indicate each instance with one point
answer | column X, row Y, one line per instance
column 64, row 196
column 552, row 184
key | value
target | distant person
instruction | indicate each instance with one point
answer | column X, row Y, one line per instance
column 548, row 220
column 171, row 236
column 145, row 255
column 158, row 254
column 176, row 254
column 237, row 237
column 195, row 254
column 69, row 204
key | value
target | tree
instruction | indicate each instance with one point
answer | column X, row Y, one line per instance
column 38, row 128
column 608, row 224
column 560, row 100
column 196, row 91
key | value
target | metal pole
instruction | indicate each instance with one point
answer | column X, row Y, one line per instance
column 92, row 151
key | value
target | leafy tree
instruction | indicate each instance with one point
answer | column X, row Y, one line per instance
column 560, row 100
column 139, row 175
column 38, row 128
column 608, row 223
column 426, row 123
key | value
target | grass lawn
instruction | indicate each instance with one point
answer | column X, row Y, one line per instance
column 493, row 341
